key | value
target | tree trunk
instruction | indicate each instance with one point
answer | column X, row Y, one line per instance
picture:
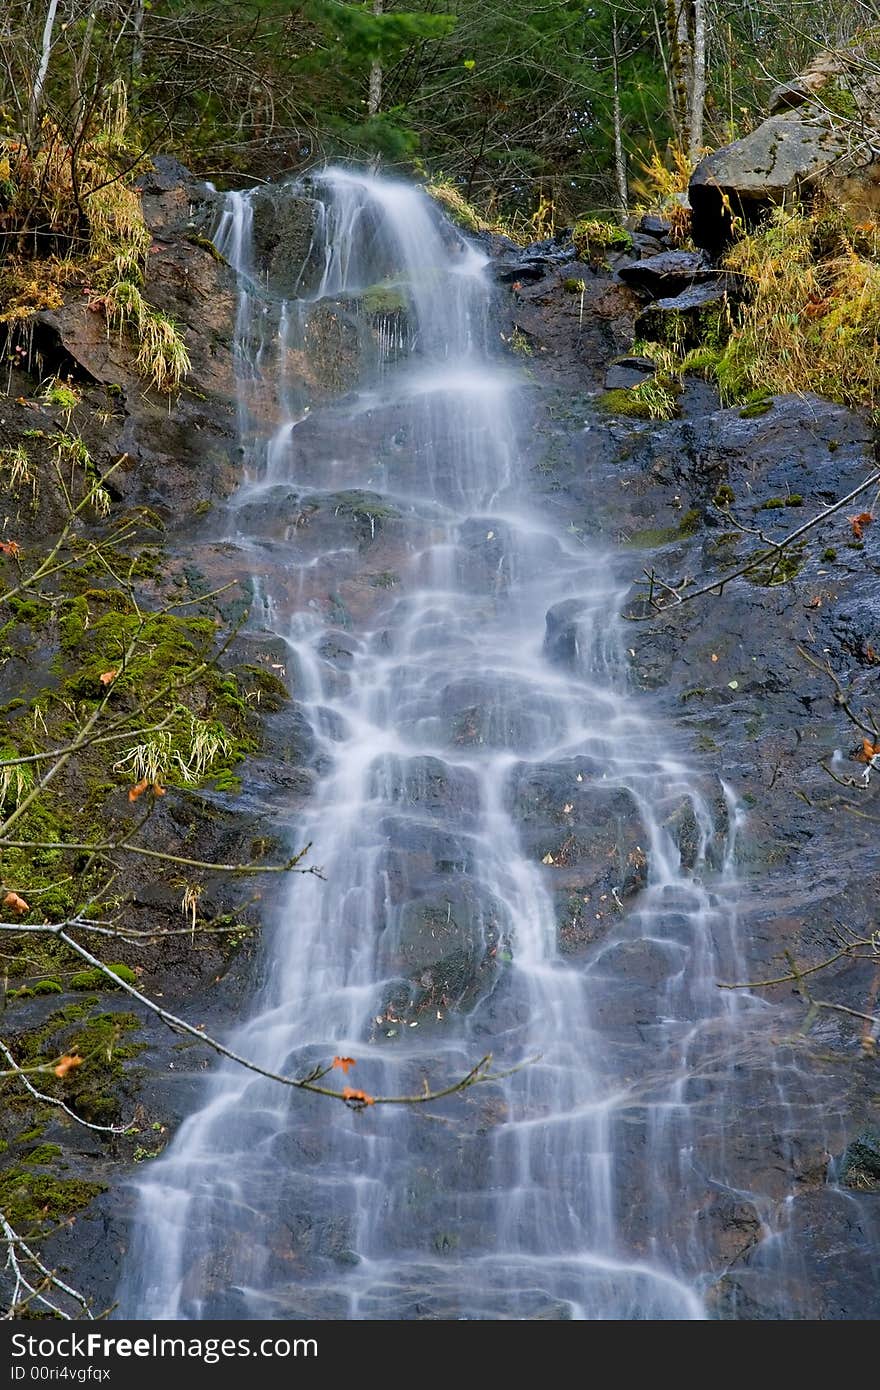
column 137, row 51
column 698, row 85
column 619, row 152
column 35, row 105
column 374, row 99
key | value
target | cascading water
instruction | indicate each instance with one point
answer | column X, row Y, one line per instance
column 452, row 719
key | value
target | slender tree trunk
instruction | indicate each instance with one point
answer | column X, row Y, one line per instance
column 698, row 85
column 374, row 100
column 137, row 51
column 35, row 105
column 80, row 68
column 619, row 152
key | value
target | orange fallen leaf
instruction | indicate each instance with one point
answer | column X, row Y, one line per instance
column 815, row 602
column 66, row 1064
column 10, row 548
column 138, row 789
column 343, row 1063
column 357, row 1097
column 107, row 677
column 16, row 903
column 867, row 752
column 870, row 654
column 858, row 523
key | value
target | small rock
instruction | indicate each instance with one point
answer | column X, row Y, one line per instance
column 667, row 273
column 627, row 371
column 690, row 305
column 654, row 225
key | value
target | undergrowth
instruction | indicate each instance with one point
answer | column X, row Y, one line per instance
column 809, row 316
column 70, row 215
column 804, row 314
column 466, row 215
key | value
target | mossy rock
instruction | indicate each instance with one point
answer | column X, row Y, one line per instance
column 27, row 1198
column 860, row 1164
column 383, row 299
column 96, row 979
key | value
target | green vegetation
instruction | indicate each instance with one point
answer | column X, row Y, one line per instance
column 593, row 238
column 651, row 399
column 98, row 238
column 809, row 313
column 386, row 298
column 96, row 979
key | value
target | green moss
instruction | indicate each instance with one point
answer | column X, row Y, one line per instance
column 33, row 1133
column 724, row 496
column 205, row 244
column 27, row 1198
column 272, row 693
column 649, row 400
column 775, row 503
column 42, row 1155
column 98, row 1038
column 382, row 299
column 690, row 522
column 572, row 285
column 593, row 236
column 829, row 555
column 780, row 570
column 74, row 622
column 29, row 611
column 96, row 979
column 47, row 987
column 756, row 408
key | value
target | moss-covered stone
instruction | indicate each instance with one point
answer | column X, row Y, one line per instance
column 96, row 979
column 29, row 1198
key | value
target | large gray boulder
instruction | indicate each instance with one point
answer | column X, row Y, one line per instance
column 784, row 155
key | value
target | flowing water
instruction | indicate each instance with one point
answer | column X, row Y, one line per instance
column 472, row 753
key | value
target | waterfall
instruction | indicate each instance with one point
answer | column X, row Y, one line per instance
column 459, row 658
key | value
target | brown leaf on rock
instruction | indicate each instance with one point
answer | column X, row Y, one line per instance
column 867, row 752
column 858, row 523
column 16, row 903
column 66, row 1064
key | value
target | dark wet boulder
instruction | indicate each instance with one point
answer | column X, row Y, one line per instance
column 285, row 244
column 653, row 225
column 445, row 944
column 687, row 311
column 667, row 273
column 627, row 371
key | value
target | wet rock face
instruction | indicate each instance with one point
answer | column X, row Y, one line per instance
column 685, row 499
column 728, row 671
column 284, row 240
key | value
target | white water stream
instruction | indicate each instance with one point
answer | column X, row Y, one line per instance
column 444, row 714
